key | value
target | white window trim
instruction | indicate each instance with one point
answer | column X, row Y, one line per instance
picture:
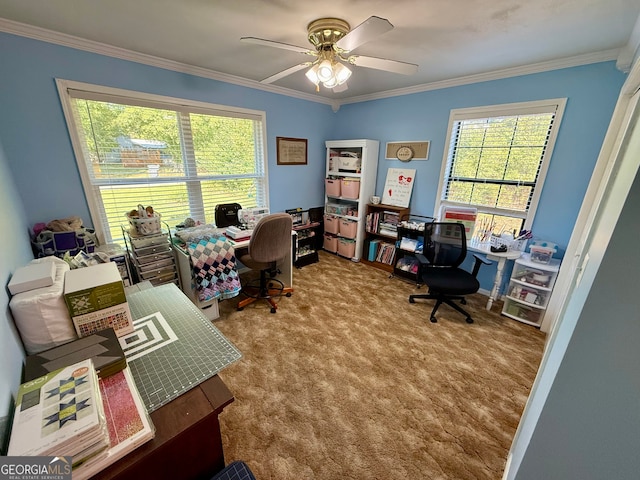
column 141, row 99
column 521, row 108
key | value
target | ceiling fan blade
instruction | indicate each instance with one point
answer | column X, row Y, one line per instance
column 285, row 46
column 393, row 66
column 285, row 73
column 366, row 31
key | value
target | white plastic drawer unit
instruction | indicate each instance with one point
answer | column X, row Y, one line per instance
column 529, row 289
column 148, row 240
column 164, row 261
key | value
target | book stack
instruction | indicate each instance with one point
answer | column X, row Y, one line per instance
column 386, row 253
column 95, row 415
column 128, row 424
column 60, row 414
column 383, row 223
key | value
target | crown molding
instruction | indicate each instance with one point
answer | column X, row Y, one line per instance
column 575, row 61
column 71, row 41
column 91, row 46
column 629, row 51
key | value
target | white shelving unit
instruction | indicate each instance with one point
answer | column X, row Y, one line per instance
column 529, row 289
column 339, row 167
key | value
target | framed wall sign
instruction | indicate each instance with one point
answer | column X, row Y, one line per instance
column 407, row 151
column 291, row 151
column 398, row 186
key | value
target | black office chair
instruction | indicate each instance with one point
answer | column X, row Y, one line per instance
column 270, row 243
column 445, row 248
column 226, row 215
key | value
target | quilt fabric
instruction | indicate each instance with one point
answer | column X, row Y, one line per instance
column 214, row 269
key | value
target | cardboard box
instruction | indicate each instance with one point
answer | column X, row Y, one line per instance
column 95, row 298
column 32, row 276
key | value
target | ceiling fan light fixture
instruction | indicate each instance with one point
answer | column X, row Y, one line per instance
column 312, row 74
column 341, row 73
column 332, row 82
column 325, row 70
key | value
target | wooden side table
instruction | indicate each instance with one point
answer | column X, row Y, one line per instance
column 187, row 444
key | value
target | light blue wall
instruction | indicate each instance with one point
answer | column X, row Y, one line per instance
column 38, row 147
column 15, row 252
column 591, row 93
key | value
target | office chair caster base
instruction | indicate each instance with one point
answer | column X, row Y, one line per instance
column 469, row 320
column 433, row 320
column 411, row 300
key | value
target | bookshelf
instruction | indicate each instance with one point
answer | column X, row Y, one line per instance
column 381, row 234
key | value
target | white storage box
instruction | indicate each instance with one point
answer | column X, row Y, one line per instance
column 41, row 315
column 32, row 276
column 348, row 163
column 541, row 254
column 95, row 299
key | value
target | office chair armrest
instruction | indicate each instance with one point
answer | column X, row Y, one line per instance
column 479, row 261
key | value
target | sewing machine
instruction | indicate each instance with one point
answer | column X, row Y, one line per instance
column 248, row 218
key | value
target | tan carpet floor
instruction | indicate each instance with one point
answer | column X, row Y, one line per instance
column 348, row 380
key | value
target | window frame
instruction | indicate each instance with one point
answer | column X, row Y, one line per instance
column 556, row 105
column 137, row 98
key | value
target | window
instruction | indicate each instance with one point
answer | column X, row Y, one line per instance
column 497, row 160
column 180, row 157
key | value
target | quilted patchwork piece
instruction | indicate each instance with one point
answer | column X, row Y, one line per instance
column 214, row 270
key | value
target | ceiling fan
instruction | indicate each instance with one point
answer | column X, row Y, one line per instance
column 333, row 40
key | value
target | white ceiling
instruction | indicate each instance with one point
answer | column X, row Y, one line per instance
column 451, row 40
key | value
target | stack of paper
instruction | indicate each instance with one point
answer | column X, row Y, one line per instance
column 60, row 414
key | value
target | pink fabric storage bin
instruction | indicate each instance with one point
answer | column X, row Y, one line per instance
column 331, row 224
column 332, row 187
column 348, row 228
column 330, row 243
column 350, row 188
column 346, row 247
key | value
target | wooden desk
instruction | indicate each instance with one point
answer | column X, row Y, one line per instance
column 187, row 445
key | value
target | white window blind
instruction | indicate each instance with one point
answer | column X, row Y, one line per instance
column 182, row 159
column 497, row 159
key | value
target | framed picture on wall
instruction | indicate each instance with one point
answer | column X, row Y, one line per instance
column 291, row 151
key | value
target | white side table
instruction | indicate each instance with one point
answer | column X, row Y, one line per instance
column 501, row 258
